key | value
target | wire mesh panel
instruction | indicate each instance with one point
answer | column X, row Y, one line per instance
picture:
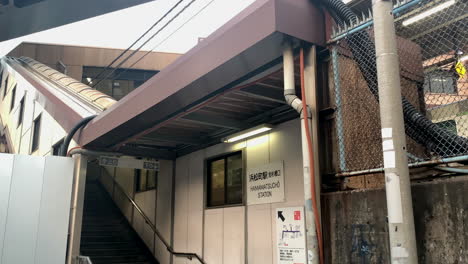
column 432, row 47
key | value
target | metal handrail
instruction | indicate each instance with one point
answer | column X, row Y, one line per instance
column 169, row 248
column 84, row 260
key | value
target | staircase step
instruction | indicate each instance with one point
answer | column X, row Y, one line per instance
column 107, row 237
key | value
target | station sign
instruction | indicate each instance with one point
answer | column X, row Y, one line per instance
column 265, row 184
column 127, row 162
column 290, row 235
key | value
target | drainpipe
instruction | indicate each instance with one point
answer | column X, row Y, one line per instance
column 296, row 103
column 397, row 181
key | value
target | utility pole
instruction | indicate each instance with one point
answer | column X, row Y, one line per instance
column 397, row 182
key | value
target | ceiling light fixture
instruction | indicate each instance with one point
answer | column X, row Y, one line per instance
column 248, row 133
column 428, row 12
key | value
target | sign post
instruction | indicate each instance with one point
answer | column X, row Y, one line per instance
column 290, row 235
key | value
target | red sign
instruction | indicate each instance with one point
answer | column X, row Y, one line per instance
column 297, row 215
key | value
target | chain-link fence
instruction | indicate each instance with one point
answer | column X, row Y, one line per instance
column 432, row 42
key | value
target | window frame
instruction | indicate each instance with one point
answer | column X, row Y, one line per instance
column 443, row 77
column 207, row 184
column 57, row 147
column 21, row 111
column 1, row 78
column 36, row 138
column 138, row 174
column 13, row 98
column 5, row 91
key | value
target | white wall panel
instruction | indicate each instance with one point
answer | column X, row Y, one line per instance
column 234, row 236
column 164, row 208
column 25, row 146
column 259, row 239
column 6, row 169
column 54, row 214
column 146, row 201
column 195, row 202
column 214, row 233
column 181, row 207
column 23, row 210
column 285, row 145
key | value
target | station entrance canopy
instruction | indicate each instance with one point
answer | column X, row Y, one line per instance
column 229, row 82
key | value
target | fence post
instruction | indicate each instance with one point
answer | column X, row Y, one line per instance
column 397, row 182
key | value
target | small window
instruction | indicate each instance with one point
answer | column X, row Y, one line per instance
column 21, row 111
column 1, row 79
column 6, row 87
column 440, row 82
column 224, row 181
column 13, row 95
column 56, row 147
column 145, row 180
column 36, row 134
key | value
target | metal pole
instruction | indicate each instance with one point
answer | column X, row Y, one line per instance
column 397, row 182
column 76, row 216
column 296, row 103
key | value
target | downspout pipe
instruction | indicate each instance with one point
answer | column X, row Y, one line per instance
column 69, row 137
column 313, row 233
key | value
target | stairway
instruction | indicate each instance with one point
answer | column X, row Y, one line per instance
column 106, row 235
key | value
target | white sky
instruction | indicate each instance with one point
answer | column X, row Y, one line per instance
column 121, row 28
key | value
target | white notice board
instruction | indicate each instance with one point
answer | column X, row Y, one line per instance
column 265, row 184
column 127, row 162
column 290, row 235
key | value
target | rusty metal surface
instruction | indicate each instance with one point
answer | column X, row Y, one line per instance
column 246, row 48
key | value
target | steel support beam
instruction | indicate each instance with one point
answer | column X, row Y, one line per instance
column 260, row 92
column 173, row 138
column 213, row 120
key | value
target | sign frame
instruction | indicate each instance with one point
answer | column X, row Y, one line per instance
column 265, row 184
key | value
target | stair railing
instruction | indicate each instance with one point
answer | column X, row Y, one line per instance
column 169, row 248
column 84, row 260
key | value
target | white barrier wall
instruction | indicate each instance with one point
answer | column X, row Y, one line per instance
column 240, row 234
column 35, row 194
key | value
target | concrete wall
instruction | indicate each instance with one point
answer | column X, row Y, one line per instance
column 75, row 57
column 240, row 234
column 356, row 229
column 19, row 138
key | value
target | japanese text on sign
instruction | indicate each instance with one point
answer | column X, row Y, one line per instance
column 265, row 184
column 290, row 235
